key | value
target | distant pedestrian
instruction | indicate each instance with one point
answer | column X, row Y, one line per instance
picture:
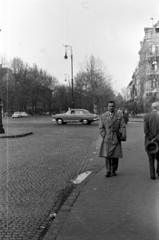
column 113, row 131
column 120, row 112
column 126, row 116
column 151, row 130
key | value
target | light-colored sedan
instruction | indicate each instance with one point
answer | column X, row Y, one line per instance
column 16, row 115
column 75, row 115
column 24, row 114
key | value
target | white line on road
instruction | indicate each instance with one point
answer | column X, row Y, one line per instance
column 81, row 177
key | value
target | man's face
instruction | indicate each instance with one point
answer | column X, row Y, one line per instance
column 111, row 107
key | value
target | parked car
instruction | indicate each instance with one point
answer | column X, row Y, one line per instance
column 75, row 115
column 16, row 115
column 19, row 115
column 24, row 114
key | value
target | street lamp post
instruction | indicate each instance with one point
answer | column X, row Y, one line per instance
column 67, row 79
column 1, row 105
column 69, row 88
column 70, row 47
column 1, row 124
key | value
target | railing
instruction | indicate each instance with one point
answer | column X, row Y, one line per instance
column 150, row 93
column 152, row 72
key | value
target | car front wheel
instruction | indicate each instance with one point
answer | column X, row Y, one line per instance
column 85, row 121
column 59, row 121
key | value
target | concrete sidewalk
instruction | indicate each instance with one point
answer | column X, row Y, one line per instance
column 124, row 207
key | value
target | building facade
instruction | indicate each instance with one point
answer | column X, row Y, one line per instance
column 144, row 86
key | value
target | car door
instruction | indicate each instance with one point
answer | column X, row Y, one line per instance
column 70, row 116
column 85, row 115
column 78, row 115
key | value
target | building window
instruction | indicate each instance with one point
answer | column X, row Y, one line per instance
column 157, row 30
column 152, row 66
column 148, row 94
column 153, row 49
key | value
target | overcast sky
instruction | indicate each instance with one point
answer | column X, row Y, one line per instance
column 36, row 30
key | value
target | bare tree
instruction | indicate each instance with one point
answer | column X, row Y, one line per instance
column 95, row 83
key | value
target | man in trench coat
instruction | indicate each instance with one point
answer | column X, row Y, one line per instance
column 113, row 131
column 151, row 130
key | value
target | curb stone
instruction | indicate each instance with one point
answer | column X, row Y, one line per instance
column 67, row 197
column 58, row 222
column 16, row 135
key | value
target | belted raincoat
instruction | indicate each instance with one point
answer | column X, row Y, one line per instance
column 109, row 128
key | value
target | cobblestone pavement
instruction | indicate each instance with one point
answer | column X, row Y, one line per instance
column 34, row 170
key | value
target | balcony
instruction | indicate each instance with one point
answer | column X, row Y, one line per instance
column 151, row 93
column 152, row 72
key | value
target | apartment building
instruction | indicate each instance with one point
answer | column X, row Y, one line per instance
column 144, row 85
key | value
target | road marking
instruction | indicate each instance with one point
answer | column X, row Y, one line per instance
column 49, row 135
column 81, row 177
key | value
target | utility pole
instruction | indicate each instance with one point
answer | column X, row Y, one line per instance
column 1, row 105
column 70, row 47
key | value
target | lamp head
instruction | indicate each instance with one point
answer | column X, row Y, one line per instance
column 65, row 57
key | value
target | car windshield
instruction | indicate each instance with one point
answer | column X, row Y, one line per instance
column 68, row 112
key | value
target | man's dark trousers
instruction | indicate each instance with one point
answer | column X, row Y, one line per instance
column 152, row 158
column 111, row 164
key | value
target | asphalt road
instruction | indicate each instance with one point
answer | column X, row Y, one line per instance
column 35, row 169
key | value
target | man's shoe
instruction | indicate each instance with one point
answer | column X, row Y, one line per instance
column 153, row 177
column 108, row 174
column 114, row 173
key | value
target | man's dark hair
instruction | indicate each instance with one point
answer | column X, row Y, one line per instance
column 111, row 102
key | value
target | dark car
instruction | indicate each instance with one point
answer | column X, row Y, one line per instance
column 75, row 115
